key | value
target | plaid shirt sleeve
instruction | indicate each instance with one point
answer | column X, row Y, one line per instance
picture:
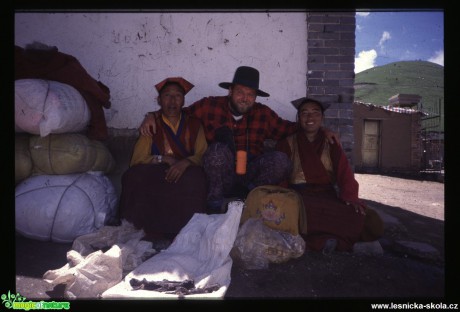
column 214, row 113
column 265, row 124
column 280, row 128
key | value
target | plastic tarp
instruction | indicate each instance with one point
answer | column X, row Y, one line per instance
column 199, row 253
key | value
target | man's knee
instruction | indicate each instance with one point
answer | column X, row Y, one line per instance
column 279, row 162
column 285, row 162
column 282, row 157
column 217, row 154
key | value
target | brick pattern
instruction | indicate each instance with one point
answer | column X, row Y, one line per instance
column 330, row 69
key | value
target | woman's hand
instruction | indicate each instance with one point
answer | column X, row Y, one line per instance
column 148, row 126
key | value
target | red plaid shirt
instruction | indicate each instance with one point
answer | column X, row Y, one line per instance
column 261, row 121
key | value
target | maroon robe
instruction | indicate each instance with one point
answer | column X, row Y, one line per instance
column 328, row 216
column 158, row 207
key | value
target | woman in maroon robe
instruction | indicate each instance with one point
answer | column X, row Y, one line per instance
column 336, row 217
column 165, row 184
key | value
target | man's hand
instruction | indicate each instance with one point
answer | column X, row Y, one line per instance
column 358, row 207
column 332, row 137
column 148, row 126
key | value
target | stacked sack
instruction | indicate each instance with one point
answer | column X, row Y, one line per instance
column 62, row 191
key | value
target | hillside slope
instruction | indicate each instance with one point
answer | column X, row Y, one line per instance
column 376, row 85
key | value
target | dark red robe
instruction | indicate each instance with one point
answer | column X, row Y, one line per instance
column 328, row 215
column 158, row 207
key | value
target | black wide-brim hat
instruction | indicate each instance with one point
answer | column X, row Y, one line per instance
column 248, row 77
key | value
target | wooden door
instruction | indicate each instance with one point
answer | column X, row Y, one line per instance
column 371, row 143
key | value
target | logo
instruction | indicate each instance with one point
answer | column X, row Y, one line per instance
column 269, row 212
column 18, row 302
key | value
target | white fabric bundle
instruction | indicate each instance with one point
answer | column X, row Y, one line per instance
column 62, row 207
column 44, row 106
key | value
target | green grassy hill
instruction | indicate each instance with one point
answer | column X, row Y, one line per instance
column 376, row 85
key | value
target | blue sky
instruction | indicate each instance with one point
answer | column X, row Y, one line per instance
column 387, row 37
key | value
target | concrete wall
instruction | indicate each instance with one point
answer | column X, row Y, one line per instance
column 131, row 52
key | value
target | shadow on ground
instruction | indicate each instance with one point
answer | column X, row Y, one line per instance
column 412, row 266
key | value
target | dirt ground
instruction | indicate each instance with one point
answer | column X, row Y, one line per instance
column 421, row 197
column 412, row 267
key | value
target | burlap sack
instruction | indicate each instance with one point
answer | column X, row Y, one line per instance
column 69, row 153
column 22, row 159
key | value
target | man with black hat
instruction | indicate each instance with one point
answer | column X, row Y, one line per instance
column 237, row 122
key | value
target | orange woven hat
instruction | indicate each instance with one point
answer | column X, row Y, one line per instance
column 187, row 86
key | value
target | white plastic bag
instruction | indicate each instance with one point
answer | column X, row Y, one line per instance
column 87, row 277
column 90, row 271
column 126, row 236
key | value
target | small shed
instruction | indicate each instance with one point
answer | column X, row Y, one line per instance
column 387, row 139
column 405, row 100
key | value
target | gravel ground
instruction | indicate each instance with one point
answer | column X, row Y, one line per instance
column 422, row 197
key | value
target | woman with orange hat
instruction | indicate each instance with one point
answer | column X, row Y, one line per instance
column 165, row 184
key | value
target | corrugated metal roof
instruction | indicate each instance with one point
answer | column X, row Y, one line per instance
column 396, row 109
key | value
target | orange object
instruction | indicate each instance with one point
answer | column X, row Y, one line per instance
column 241, row 161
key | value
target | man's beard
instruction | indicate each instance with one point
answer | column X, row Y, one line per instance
column 234, row 109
